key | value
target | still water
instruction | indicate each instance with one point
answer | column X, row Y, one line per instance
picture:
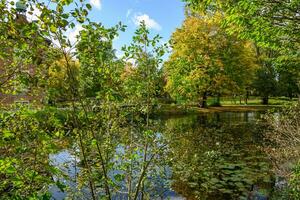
column 208, row 156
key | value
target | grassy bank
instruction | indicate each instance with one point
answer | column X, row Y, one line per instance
column 172, row 109
column 227, row 105
column 230, row 101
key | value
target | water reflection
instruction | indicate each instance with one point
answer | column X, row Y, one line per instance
column 217, row 156
column 209, row 156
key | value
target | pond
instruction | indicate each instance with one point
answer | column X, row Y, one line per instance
column 208, row 156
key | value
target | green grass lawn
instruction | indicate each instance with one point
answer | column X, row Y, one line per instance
column 227, row 105
column 225, row 101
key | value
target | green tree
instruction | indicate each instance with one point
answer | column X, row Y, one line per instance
column 27, row 139
column 23, row 49
column 51, row 25
column 288, row 84
column 270, row 24
column 141, row 90
column 58, row 89
column 267, row 22
column 99, row 67
column 205, row 60
column 289, row 73
column 142, row 82
column 265, row 82
column 283, row 148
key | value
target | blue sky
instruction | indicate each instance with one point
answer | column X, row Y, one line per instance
column 161, row 16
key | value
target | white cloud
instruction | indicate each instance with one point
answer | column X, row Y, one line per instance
column 132, row 61
column 150, row 23
column 72, row 33
column 96, row 3
column 119, row 54
column 33, row 15
column 9, row 6
column 55, row 43
column 116, row 38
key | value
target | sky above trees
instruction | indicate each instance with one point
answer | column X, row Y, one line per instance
column 161, row 17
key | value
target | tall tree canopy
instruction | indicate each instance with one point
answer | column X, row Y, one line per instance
column 205, row 60
column 141, row 83
column 273, row 23
column 99, row 66
column 58, row 89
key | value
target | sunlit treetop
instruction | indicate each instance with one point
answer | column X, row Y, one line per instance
column 272, row 24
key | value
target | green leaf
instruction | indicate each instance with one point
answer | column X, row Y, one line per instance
column 7, row 134
column 53, row 28
column 94, row 142
column 119, row 177
column 10, row 170
column 61, row 186
column 89, row 6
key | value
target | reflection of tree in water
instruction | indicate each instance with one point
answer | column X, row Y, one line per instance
column 210, row 156
column 215, row 159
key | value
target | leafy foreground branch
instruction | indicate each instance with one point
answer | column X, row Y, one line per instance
column 119, row 149
column 284, row 150
column 92, row 124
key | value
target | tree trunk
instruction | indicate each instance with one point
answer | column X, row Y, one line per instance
column 291, row 96
column 247, row 97
column 298, row 94
column 265, row 100
column 203, row 101
column 218, row 103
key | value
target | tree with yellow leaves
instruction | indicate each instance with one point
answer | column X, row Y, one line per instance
column 207, row 61
column 58, row 89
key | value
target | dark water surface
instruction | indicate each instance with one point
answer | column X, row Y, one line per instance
column 209, row 156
